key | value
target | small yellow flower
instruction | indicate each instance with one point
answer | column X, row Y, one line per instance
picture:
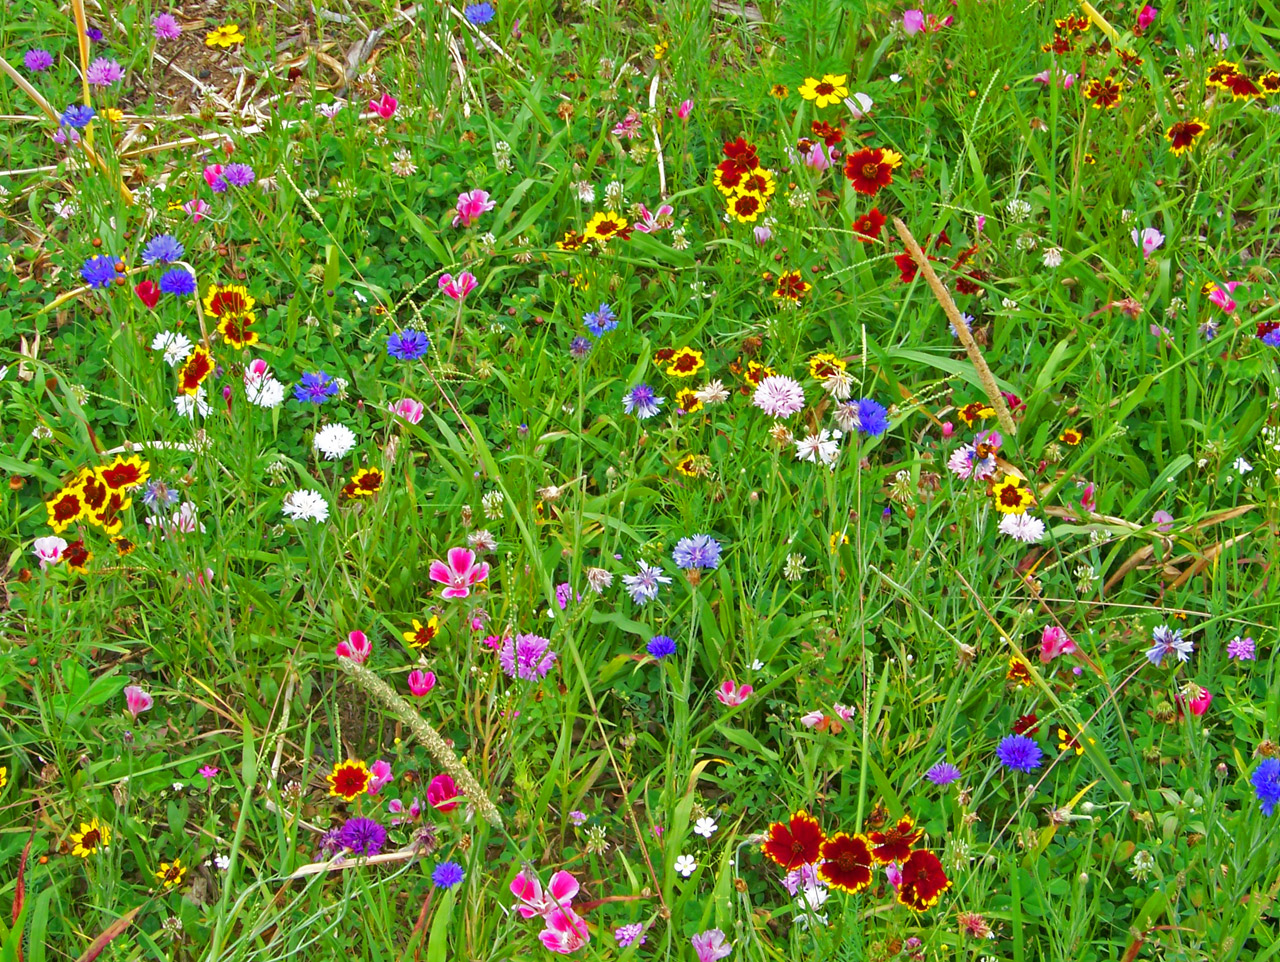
column 4, row 777
column 660, row 49
column 227, row 35
column 92, row 838
column 1071, row 436
column 837, row 540
column 1011, row 497
column 779, row 91
column 686, row 362
column 823, row 365
column 422, row 635
column 829, row 90
column 171, row 874
column 114, row 114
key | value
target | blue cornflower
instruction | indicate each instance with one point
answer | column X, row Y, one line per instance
column 1169, row 641
column 1019, row 753
column 642, row 402
column 315, row 388
column 408, row 345
column 869, row 417
column 1266, row 784
column 579, row 347
column 99, row 271
column 1272, row 338
column 447, row 874
column 77, row 116
column 943, row 773
column 601, row 322
column 698, row 551
column 661, row 646
column 363, row 836
column 162, row 249
column 238, row 175
column 158, row 495
column 478, row 14
column 178, row 281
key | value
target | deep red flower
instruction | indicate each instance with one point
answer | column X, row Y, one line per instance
column 197, row 367
column 830, row 135
column 968, row 284
column 906, row 267
column 894, row 843
column 1241, row 87
column 923, row 881
column 871, row 168
column 1027, row 724
column 148, row 292
column 848, row 862
column 796, row 843
column 1266, row 327
column 742, row 155
column 869, row 225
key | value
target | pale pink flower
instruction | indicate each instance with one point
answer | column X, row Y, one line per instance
column 779, row 396
column 711, row 946
column 763, row 233
column 685, row 109
column 1148, row 239
column 379, row 776
column 845, row 711
column 196, row 209
column 385, row 106
column 1054, row 642
column 913, row 22
column 817, row 156
column 1045, row 77
column 442, row 793
column 812, row 718
column 49, row 550
column 459, row 288
column 460, row 573
column 421, row 682
column 732, row 694
column 859, row 105
column 629, row 127
column 407, row 408
column 137, row 700
column 648, row 223
column 470, row 206
column 560, row 893
column 1163, row 521
column 357, row 647
column 565, row 932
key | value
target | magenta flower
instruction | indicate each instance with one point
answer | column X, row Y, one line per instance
column 384, row 107
column 913, row 22
column 1222, row 298
column 647, row 223
column 460, row 573
column 442, row 793
column 421, row 682
column 710, row 945
column 565, row 932
column 534, row 903
column 685, row 109
column 137, row 700
column 1148, row 239
column 460, row 287
column 1046, row 76
column 1163, row 521
column 208, row 772
column 526, row 656
column 1088, row 500
column 379, row 776
column 409, row 409
column 357, row 647
column 1054, row 642
column 1146, row 17
column 732, row 694
column 103, row 72
column 166, row 27
column 1200, row 704
column 470, row 206
column 196, row 209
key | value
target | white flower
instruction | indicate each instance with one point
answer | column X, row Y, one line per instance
column 643, row 586
column 1008, row 303
column 1022, row 527
column 586, row 193
column 1018, row 209
column 221, row 862
column 794, row 569
column 757, row 665
column 705, row 827
column 189, row 405
column 859, row 104
column 306, row 505
column 49, row 550
column 334, row 441
column 838, row 384
column 823, row 446
column 1053, row 257
column 178, row 786
column 331, row 110
column 895, row 78
column 63, row 209
column 686, row 865
column 176, row 347
column 1242, row 466
column 265, row 392
column 713, row 392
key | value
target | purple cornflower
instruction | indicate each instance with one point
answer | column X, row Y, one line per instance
column 447, row 874
column 103, row 72
column 363, row 836
column 642, row 402
column 698, row 551
column 94, row 34
column 601, row 322
column 1241, row 649
column 37, row 60
column 77, row 116
column 661, row 646
column 178, row 281
column 943, row 773
column 238, row 175
column 166, row 27
column 1266, row 784
column 1169, row 641
column 527, row 656
column 408, row 345
column 99, row 271
column 579, row 347
column 315, row 388
column 329, row 844
column 869, row 417
column 478, row 14
column 162, row 249
column 1019, row 753
column 628, row 934
column 564, row 595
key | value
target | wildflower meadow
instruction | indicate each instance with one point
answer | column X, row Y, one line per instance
column 682, row 480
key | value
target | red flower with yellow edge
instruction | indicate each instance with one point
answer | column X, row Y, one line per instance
column 848, row 862
column 823, row 366
column 422, row 635
column 348, row 780
column 871, row 169
column 237, row 329
column 1183, row 135
column 830, row 135
column 759, row 181
column 1242, row 88
column 869, row 226
column 1071, row 436
column 796, row 843
column 974, row 411
column 1270, row 82
column 65, row 508
column 685, row 362
column 923, row 881
column 691, row 466
column 77, row 557
column 757, row 372
column 1019, row 673
column 123, row 473
column 123, row 546
column 365, row 483
column 92, row 489
column 227, row 299
column 1220, row 73
column 745, row 208
column 1104, row 92
column 741, row 154
column 108, row 516
column 193, row 372
column 894, row 843
column 687, row 400
column 791, row 286
column 571, row 241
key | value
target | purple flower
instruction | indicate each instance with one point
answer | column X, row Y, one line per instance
column 1169, row 641
column 37, row 60
column 77, row 116
column 602, row 321
column 208, row 772
column 103, row 72
column 564, row 594
column 166, row 27
column 1272, row 338
column 162, row 249
column 642, row 402
column 579, row 347
column 178, row 281
column 869, row 417
column 1241, row 649
column 447, row 874
column 578, row 817
column 943, row 773
column 315, row 388
column 628, row 934
column 527, row 656
column 99, row 271
column 1266, row 784
column 1019, row 753
column 478, row 14
column 710, row 945
column 238, row 175
column 661, row 646
column 698, row 551
column 408, row 345
column 363, row 836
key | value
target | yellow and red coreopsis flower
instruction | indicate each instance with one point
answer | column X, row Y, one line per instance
column 77, row 557
column 823, row 365
column 1270, row 82
column 746, row 206
column 1010, row 496
column 422, row 635
column 603, row 227
column 236, row 328
column 791, row 286
column 893, row 844
column 871, row 169
column 1104, row 92
column 847, row 864
column 171, row 874
column 685, row 362
column 1070, row 436
column 1183, row 135
column 194, row 370
column 974, row 411
column 348, row 780
column 923, row 881
column 687, row 400
column 760, row 182
column 365, row 483
column 65, row 508
column 223, row 299
column 831, row 89
column 1018, row 672
column 691, row 465
column 92, row 838
column 571, row 241
column 124, row 473
column 796, row 843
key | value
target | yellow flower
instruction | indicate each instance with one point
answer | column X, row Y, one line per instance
column 975, row 410
column 686, row 362
column 604, row 226
column 1071, row 436
column 114, row 114
column 422, row 635
column 823, row 366
column 829, row 90
column 837, row 540
column 1011, row 497
column 687, row 400
column 4, row 777
column 92, row 838
column 691, row 464
column 779, row 91
column 660, row 49
column 225, row 36
column 171, row 874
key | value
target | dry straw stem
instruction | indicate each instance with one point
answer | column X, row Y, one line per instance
column 428, row 736
column 962, row 330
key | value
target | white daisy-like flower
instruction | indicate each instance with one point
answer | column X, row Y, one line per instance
column 1022, row 527
column 265, row 392
column 705, row 826
column 838, row 384
column 175, row 347
column 190, row 405
column 334, row 441
column 713, row 392
column 306, row 505
column 823, row 446
column 686, row 865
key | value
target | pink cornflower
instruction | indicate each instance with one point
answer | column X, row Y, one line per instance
column 442, row 793
column 421, row 682
column 710, row 945
column 103, row 72
column 357, row 647
column 565, row 932
column 534, row 903
column 166, row 27
column 457, row 288
column 137, row 700
column 732, row 694
column 385, row 106
column 459, row 574
column 685, row 109
column 1054, row 642
column 779, row 396
column 196, row 209
column 470, row 206
column 407, row 408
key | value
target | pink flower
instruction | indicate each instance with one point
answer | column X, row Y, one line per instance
column 379, row 775
column 648, row 223
column 948, row 429
column 812, row 718
column 407, row 408
column 421, row 682
column 845, row 711
column 1046, row 77
column 559, row 895
column 1087, row 501
column 731, row 694
column 1163, row 521
column 762, row 233
column 442, row 793
column 213, row 177
column 893, row 874
column 410, row 814
column 817, row 157
column 1223, row 298
column 1200, row 704
column 628, row 127
column 1146, row 17
column 196, row 209
column 384, row 107
column 357, row 647
column 710, row 945
column 1148, row 239
column 980, row 222
column 1054, row 642
column 470, row 206
column 137, row 700
column 208, row 772
column 565, row 932
column 685, row 109
column 460, row 573
column 256, row 370
column 460, row 288
column 49, row 550
column 913, row 22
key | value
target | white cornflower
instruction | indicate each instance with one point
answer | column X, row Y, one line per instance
column 190, row 405
column 643, row 586
column 1022, row 527
column 175, row 347
column 713, row 392
column 334, row 441
column 823, row 446
column 686, row 865
column 482, row 541
column 1053, row 257
column 838, row 384
column 306, row 505
column 598, row 579
column 265, row 392
column 585, row 191
column 705, row 826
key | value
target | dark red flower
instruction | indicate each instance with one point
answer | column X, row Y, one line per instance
column 148, row 292
column 796, row 843
column 869, row 225
column 1266, row 327
column 1241, row 87
column 1026, row 725
column 742, row 155
column 830, row 135
column 894, row 843
column 906, row 267
column 848, row 862
column 923, row 881
column 871, row 168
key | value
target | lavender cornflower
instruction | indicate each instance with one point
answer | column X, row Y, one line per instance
column 178, row 281
column 1019, row 753
column 579, row 347
column 37, row 60
column 1241, row 649
column 1169, row 641
column 643, row 586
column 363, row 836
column 94, row 34
column 601, row 322
column 166, row 27
column 565, row 594
column 238, row 175
column 157, row 495
column 943, row 773
column 526, row 656
column 447, row 874
column 103, row 72
column 77, row 116
column 99, row 271
column 408, row 345
column 162, row 249
column 642, row 402
column 661, row 646
column 315, row 388
column 627, row 935
column 698, row 551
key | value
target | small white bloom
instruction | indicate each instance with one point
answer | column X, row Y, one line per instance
column 686, row 865
column 819, row 447
column 1009, row 304
column 1053, row 257
column 757, row 665
column 1242, row 466
column 895, row 78
column 334, row 441
column 175, row 347
column 705, row 827
column 306, row 505
column 859, row 105
column 713, row 392
column 189, row 405
column 178, row 786
column 221, row 862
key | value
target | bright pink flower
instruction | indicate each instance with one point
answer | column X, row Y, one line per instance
column 845, row 711
column 385, row 107
column 379, row 775
column 1146, row 17
column 256, row 370
column 685, row 109
column 1200, row 704
column 1064, row 79
column 893, row 874
column 460, row 573
column 731, row 694
column 534, row 902
column 1087, row 501
column 980, row 222
column 710, row 945
column 409, row 409
column 196, row 209
column 1223, row 298
column 565, row 932
column 357, row 647
column 913, row 22
column 442, row 793
column 1054, row 642
column 421, row 682
column 213, row 177
column 460, row 288
column 648, row 223
column 137, row 700
column 148, row 292
column 948, row 429
column 470, row 206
